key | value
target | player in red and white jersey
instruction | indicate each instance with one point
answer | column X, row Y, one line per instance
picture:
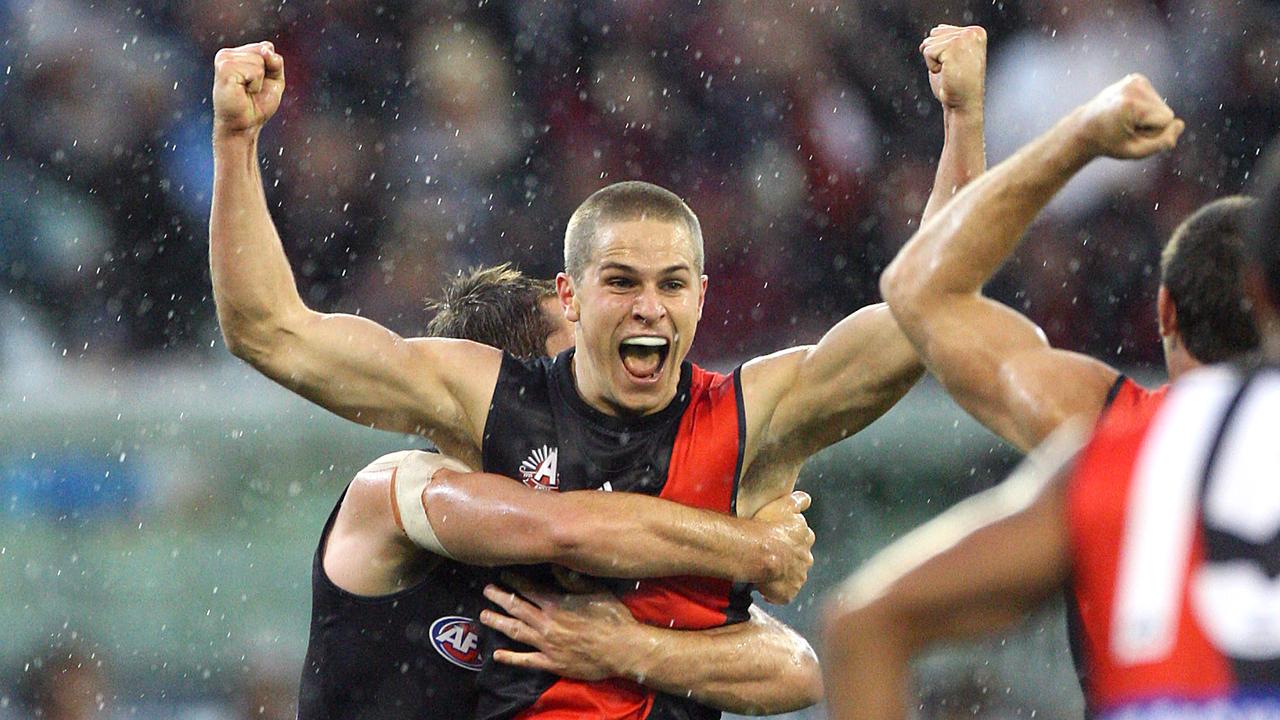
column 1165, row 528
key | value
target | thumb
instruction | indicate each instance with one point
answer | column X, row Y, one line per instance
column 800, row 500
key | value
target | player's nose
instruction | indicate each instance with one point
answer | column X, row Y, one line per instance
column 648, row 306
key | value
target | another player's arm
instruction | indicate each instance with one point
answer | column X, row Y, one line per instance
column 807, row 398
column 976, row 568
column 759, row 667
column 995, row 362
column 486, row 519
column 956, row 58
column 345, row 363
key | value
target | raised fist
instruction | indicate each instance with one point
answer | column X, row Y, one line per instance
column 957, row 62
column 1128, row 120
column 247, row 84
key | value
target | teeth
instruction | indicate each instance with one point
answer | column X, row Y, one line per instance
column 645, row 341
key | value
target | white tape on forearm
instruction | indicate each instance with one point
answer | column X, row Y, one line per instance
column 411, row 476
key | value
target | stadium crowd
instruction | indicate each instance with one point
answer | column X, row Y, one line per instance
column 420, row 138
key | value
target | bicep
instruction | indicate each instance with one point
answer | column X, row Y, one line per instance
column 1000, row 368
column 852, row 376
column 364, row 372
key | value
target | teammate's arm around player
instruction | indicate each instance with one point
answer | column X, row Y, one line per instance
column 758, row 667
column 994, row 361
column 803, row 399
column 414, row 499
column 976, row 568
column 347, row 364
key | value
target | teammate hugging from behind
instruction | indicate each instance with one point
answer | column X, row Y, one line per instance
column 403, row 560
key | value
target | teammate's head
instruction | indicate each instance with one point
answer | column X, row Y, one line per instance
column 633, row 286
column 502, row 307
column 1262, row 253
column 1203, row 309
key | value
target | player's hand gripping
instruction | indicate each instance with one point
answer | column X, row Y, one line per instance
column 1128, row 120
column 957, row 61
column 573, row 634
column 788, row 544
column 248, row 82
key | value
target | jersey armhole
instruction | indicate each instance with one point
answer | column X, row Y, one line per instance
column 742, row 439
column 1114, row 391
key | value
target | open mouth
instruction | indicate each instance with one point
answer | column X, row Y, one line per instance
column 644, row 357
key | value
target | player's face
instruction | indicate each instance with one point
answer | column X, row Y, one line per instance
column 636, row 310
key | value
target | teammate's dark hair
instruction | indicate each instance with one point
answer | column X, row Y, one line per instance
column 625, row 201
column 498, row 306
column 1200, row 267
column 1263, row 245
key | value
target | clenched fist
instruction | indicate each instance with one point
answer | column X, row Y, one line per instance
column 790, row 542
column 957, row 62
column 1128, row 120
column 247, row 84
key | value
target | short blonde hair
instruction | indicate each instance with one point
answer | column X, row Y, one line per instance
column 629, row 200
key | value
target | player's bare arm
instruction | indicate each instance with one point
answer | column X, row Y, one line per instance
column 994, row 361
column 486, row 519
column 759, row 667
column 801, row 400
column 977, row 568
column 347, row 364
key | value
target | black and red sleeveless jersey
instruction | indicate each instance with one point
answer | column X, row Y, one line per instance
column 1129, row 398
column 409, row 655
column 1174, row 515
column 540, row 431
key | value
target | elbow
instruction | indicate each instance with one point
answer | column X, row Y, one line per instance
column 254, row 340
column 900, row 285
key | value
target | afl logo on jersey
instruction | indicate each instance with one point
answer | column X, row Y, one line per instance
column 538, row 471
column 455, row 638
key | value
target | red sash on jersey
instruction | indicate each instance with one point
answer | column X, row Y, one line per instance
column 703, row 474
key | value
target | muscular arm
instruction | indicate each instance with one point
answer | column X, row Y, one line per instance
column 759, row 667
column 345, row 363
column 808, row 398
column 995, row 362
column 975, row 569
column 485, row 519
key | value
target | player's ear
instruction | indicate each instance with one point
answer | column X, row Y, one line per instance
column 1166, row 312
column 566, row 293
column 702, row 294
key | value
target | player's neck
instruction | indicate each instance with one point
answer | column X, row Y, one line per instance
column 1180, row 363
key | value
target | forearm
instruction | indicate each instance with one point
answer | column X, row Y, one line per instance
column 967, row 240
column 253, row 284
column 759, row 667
column 963, row 158
column 866, row 666
column 492, row 520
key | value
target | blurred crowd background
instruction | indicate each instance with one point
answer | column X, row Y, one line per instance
column 418, row 138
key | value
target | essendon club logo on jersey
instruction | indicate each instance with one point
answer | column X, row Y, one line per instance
column 455, row 638
column 538, row 471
